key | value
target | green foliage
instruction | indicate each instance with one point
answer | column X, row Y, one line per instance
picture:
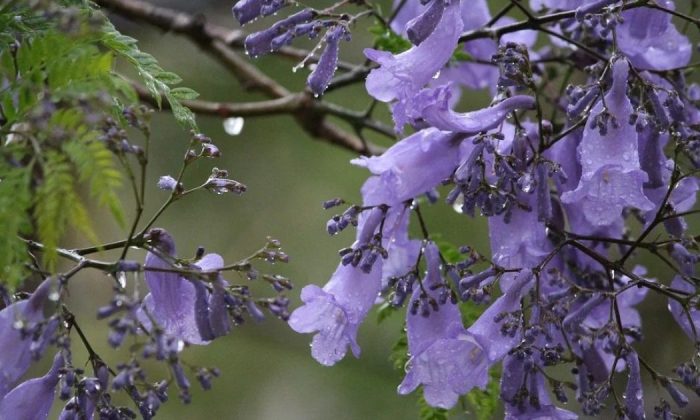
column 385, row 310
column 387, row 40
column 61, row 123
column 158, row 81
column 94, row 164
column 426, row 412
column 484, row 403
column 15, row 201
column 399, row 352
column 57, row 204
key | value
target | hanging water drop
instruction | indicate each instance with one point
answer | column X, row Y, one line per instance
column 233, row 125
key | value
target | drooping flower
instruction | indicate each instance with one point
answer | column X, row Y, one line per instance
column 611, row 177
column 16, row 353
column 523, row 390
column 651, row 41
column 445, row 359
column 32, row 400
column 399, row 77
column 335, row 312
column 184, row 308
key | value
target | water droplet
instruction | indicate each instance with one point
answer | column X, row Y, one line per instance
column 436, row 75
column 121, row 279
column 233, row 125
column 54, row 296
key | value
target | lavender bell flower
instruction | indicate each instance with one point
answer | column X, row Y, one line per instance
column 611, row 176
column 180, row 306
column 651, row 41
column 401, row 76
column 446, row 360
column 335, row 312
column 519, row 406
column 15, row 354
column 412, row 166
column 421, row 161
column 32, row 399
column 491, row 330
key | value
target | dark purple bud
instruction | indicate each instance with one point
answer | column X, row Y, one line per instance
column 320, row 77
column 260, row 43
column 247, row 10
column 576, row 110
column 282, row 40
column 424, row 24
column 333, row 203
column 254, row 311
column 634, row 402
column 675, row 393
column 573, row 320
column 210, row 150
column 659, row 110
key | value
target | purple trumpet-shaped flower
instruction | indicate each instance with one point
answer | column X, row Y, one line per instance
column 420, row 162
column 320, row 78
column 445, row 359
column 400, row 77
column 183, row 308
column 439, row 115
column 32, row 399
column 412, row 166
column 651, row 41
column 611, row 177
column 520, row 374
column 498, row 328
column 15, row 354
column 335, row 312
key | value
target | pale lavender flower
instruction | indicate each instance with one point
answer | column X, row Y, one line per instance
column 32, row 400
column 15, row 354
column 533, row 405
column 335, row 312
column 651, row 41
column 445, row 359
column 183, row 308
column 611, row 176
column 401, row 76
column 412, row 166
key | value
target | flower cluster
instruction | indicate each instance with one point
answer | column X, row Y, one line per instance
column 562, row 195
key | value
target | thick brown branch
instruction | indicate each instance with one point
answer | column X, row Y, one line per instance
column 307, row 111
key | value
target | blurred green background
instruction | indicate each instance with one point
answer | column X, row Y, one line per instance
column 267, row 369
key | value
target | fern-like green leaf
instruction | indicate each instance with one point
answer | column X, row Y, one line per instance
column 57, row 204
column 95, row 165
column 15, row 200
